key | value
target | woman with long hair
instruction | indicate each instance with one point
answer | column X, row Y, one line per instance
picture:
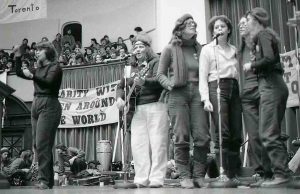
column 178, row 73
column 272, row 90
column 149, row 126
column 258, row 156
column 46, row 109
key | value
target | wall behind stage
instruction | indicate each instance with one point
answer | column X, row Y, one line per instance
column 98, row 17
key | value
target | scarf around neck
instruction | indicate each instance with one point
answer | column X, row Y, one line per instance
column 180, row 67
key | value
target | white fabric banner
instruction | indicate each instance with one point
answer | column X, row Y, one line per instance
column 22, row 10
column 88, row 107
column 290, row 76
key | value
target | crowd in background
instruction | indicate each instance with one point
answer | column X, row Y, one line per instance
column 71, row 52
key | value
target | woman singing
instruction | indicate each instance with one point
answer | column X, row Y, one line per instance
column 178, row 74
column 150, row 124
column 272, row 90
column 218, row 62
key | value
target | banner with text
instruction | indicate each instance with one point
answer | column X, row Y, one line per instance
column 22, row 10
column 290, row 63
column 88, row 107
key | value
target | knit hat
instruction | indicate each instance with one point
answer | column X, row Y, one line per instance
column 224, row 18
column 180, row 21
column 144, row 38
column 261, row 15
column 3, row 150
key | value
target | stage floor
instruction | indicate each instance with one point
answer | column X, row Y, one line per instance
column 167, row 190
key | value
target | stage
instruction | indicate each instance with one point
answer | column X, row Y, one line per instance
column 165, row 190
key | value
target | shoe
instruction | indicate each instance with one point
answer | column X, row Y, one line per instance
column 42, row 186
column 278, row 181
column 258, row 183
column 128, row 185
column 200, row 183
column 187, row 183
column 238, row 182
column 155, row 186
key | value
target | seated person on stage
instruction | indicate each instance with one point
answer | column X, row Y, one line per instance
column 5, row 160
column 72, row 157
column 20, row 169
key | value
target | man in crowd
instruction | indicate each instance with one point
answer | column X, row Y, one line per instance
column 69, row 38
column 5, row 160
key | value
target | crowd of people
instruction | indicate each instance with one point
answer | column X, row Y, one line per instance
column 175, row 94
column 71, row 52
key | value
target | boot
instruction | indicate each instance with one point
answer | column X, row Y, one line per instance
column 187, row 183
column 199, row 171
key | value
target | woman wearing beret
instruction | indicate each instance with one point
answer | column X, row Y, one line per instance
column 258, row 156
column 178, row 73
column 273, row 92
column 218, row 60
column 150, row 124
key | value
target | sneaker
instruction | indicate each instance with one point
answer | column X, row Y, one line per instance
column 200, row 183
column 187, row 183
column 258, row 183
column 238, row 182
column 278, row 181
column 42, row 186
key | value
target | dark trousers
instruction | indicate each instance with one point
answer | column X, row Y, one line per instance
column 78, row 165
column 258, row 156
column 273, row 96
column 188, row 118
column 45, row 118
column 231, row 125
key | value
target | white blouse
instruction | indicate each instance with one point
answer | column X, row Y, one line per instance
column 226, row 58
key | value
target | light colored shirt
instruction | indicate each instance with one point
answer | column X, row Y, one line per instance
column 208, row 72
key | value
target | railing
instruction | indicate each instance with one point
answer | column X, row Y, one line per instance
column 92, row 75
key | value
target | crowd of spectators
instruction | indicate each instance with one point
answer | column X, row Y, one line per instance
column 71, row 52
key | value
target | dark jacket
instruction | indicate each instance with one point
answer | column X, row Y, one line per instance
column 47, row 79
column 150, row 91
column 266, row 50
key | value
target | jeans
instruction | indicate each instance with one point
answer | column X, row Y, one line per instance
column 188, row 119
column 231, row 125
column 273, row 97
column 45, row 118
column 258, row 156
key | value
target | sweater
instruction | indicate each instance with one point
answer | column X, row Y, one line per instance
column 166, row 65
column 46, row 79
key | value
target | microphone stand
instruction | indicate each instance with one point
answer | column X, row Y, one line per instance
column 222, row 181
column 124, row 140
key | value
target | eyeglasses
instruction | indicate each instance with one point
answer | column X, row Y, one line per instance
column 242, row 24
column 191, row 23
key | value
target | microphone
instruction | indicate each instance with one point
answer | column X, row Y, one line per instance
column 217, row 35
